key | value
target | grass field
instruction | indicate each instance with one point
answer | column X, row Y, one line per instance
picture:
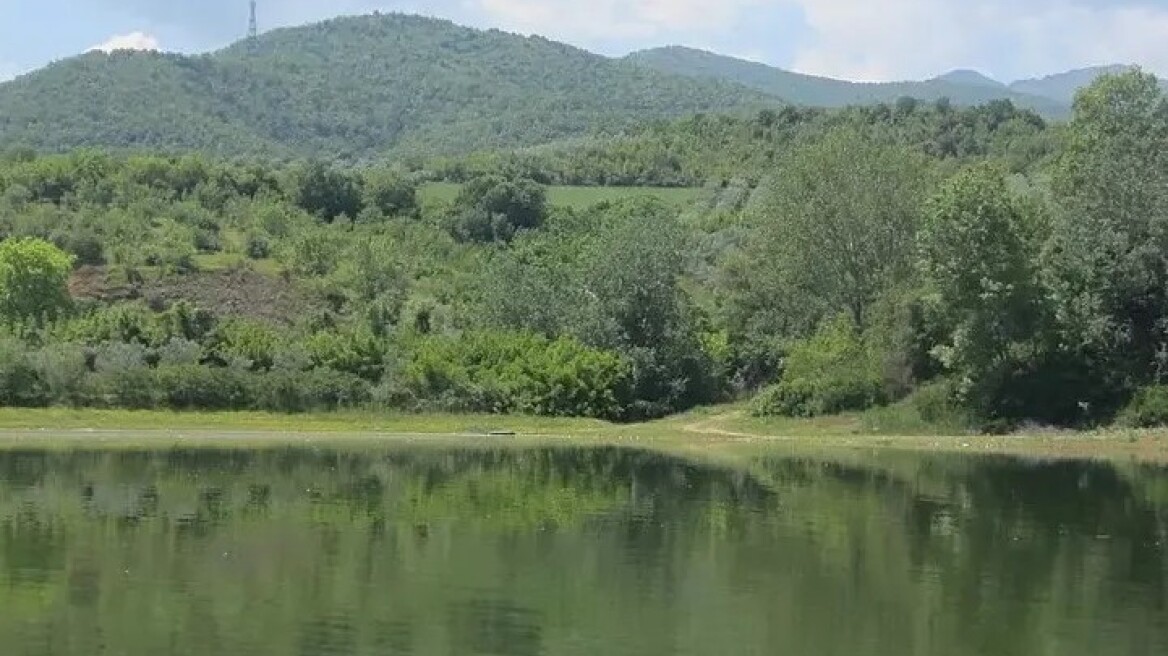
column 577, row 197
column 708, row 433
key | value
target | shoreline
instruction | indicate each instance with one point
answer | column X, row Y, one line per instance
column 707, row 432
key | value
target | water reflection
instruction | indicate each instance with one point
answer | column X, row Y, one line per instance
column 576, row 551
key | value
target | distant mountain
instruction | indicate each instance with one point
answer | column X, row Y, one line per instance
column 961, row 87
column 350, row 87
column 1063, row 86
column 971, row 78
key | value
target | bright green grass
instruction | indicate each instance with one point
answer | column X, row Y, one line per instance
column 711, row 433
column 577, row 197
column 71, row 419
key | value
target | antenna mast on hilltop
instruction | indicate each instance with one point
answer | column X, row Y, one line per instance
column 253, row 29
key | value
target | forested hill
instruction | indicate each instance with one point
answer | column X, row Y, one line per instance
column 350, row 88
column 1050, row 96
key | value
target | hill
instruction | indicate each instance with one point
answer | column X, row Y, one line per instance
column 349, row 87
column 1063, row 86
column 970, row 78
column 961, row 87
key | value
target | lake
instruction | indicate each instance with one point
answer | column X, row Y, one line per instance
column 563, row 551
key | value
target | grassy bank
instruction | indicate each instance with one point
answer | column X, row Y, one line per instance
column 709, row 432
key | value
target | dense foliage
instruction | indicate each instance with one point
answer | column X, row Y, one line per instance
column 961, row 263
column 740, row 150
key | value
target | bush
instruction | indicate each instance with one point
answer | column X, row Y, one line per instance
column 516, row 373
column 63, row 371
column 21, row 384
column 931, row 410
column 316, row 389
column 258, row 247
column 830, row 373
column 1147, row 409
column 85, row 245
column 243, row 340
column 195, row 387
column 122, row 379
column 355, row 351
column 207, row 241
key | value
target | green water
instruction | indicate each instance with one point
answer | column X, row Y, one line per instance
column 576, row 551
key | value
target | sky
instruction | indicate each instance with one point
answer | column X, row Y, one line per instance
column 851, row 39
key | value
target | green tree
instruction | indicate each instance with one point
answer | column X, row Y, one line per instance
column 34, row 277
column 979, row 280
column 390, row 193
column 836, row 227
column 1107, row 258
column 494, row 208
column 831, row 231
column 319, row 189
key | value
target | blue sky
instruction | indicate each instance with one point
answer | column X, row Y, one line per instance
column 853, row 39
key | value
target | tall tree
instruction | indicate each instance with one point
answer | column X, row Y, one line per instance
column 1107, row 259
column 980, row 283
column 836, row 227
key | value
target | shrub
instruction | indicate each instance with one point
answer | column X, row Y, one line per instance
column 122, row 379
column 829, row 373
column 195, row 387
column 931, row 410
column 62, row 370
column 517, row 373
column 85, row 245
column 258, row 247
column 179, row 352
column 239, row 340
column 207, row 241
column 316, row 389
column 124, row 323
column 355, row 351
column 21, row 384
column 1147, row 409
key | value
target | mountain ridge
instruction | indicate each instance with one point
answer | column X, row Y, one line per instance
column 359, row 87
column 351, row 88
column 1047, row 96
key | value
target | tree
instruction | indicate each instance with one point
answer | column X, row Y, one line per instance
column 493, row 208
column 324, row 191
column 391, row 194
column 836, row 226
column 1107, row 258
column 981, row 286
column 34, row 277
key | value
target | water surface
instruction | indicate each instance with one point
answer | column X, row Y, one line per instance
column 575, row 551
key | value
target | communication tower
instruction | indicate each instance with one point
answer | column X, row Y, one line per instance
column 253, row 26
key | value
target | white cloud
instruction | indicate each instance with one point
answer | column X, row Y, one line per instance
column 869, row 39
column 898, row 39
column 131, row 41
